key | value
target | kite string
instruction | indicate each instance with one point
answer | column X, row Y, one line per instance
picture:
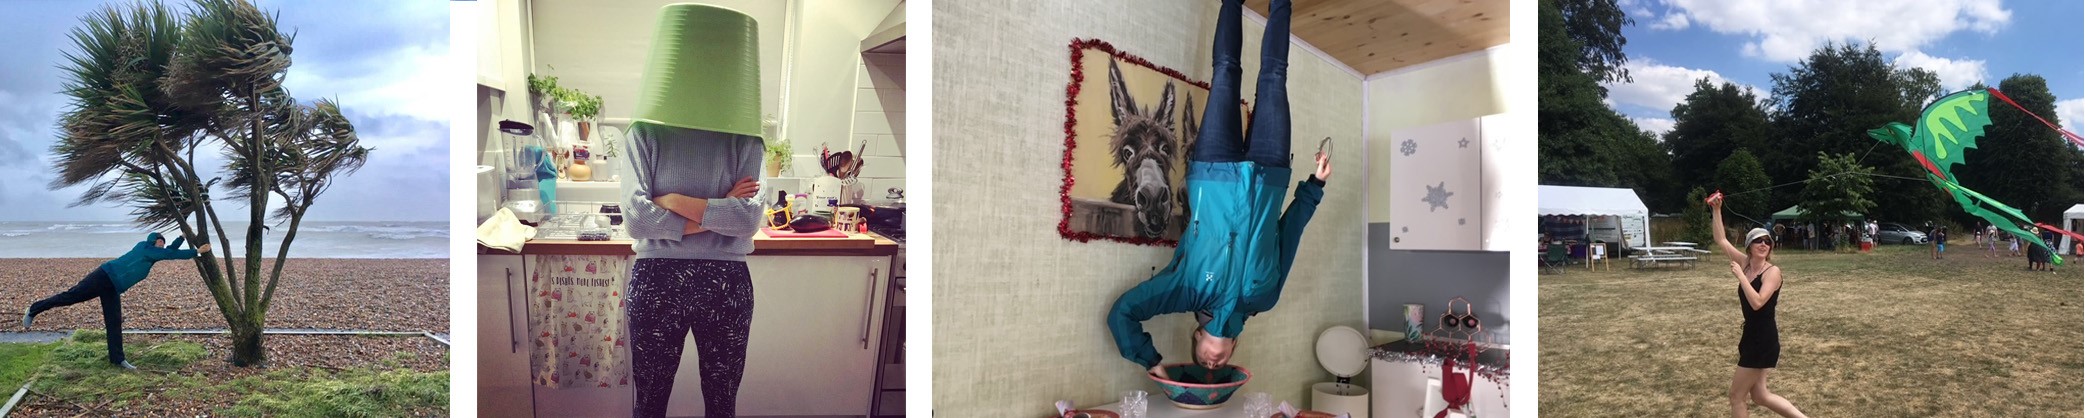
column 1756, row 221
column 2074, row 138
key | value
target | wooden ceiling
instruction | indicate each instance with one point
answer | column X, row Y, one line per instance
column 1374, row 36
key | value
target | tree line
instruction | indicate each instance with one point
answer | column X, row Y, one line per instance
column 1804, row 142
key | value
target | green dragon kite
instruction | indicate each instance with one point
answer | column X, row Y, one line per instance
column 1945, row 130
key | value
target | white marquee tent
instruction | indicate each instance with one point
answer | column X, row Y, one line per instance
column 1629, row 216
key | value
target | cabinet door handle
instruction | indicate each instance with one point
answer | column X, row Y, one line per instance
column 514, row 345
column 869, row 306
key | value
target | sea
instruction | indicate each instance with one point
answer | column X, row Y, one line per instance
column 315, row 239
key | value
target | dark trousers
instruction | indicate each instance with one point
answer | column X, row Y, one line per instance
column 95, row 285
column 670, row 298
column 1221, row 139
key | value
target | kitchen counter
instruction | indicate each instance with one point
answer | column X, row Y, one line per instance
column 865, row 244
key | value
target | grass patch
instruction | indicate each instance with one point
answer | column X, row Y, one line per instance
column 177, row 377
column 354, row 393
column 18, row 362
column 1892, row 333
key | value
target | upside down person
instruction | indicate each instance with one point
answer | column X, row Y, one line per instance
column 108, row 282
column 1236, row 250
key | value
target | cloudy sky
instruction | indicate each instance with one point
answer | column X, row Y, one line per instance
column 1675, row 42
column 380, row 59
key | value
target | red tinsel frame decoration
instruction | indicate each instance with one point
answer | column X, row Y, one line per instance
column 1071, row 120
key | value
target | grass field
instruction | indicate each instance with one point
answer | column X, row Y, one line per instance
column 1892, row 333
column 180, row 377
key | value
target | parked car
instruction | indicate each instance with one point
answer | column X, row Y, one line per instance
column 1896, row 233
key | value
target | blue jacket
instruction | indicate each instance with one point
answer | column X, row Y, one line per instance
column 1233, row 258
column 133, row 266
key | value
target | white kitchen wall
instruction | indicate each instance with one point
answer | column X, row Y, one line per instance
column 832, row 86
column 879, row 119
column 1019, row 310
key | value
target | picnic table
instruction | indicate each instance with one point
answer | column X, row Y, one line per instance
column 1653, row 256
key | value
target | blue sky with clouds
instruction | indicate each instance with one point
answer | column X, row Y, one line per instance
column 382, row 60
column 1675, row 42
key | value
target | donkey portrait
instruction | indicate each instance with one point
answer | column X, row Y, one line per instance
column 1145, row 148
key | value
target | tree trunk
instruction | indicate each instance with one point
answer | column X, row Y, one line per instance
column 246, row 343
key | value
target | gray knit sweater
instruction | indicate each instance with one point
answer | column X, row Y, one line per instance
column 694, row 163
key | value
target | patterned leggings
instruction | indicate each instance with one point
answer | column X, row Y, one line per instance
column 670, row 298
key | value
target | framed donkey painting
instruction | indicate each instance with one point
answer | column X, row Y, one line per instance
column 1128, row 126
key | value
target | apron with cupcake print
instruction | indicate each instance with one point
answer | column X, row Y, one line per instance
column 576, row 321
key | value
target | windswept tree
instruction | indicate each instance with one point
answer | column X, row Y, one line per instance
column 149, row 87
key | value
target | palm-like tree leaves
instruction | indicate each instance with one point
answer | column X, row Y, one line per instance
column 231, row 50
column 118, row 120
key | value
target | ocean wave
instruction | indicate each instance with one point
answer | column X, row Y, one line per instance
column 408, row 235
column 96, row 228
column 12, row 234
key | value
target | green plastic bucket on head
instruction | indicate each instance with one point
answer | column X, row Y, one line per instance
column 703, row 72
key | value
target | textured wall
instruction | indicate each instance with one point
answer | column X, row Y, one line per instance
column 1019, row 311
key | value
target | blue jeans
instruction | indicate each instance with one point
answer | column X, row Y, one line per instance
column 1268, row 142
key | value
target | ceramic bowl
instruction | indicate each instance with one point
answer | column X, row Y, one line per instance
column 1191, row 386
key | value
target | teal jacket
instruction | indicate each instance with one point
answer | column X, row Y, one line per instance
column 1232, row 260
column 133, row 266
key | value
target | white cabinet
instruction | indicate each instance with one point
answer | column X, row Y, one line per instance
column 1437, row 187
column 812, row 351
column 813, row 348
column 503, row 367
column 1399, row 390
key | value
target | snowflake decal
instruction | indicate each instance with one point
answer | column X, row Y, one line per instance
column 1437, row 197
column 1462, row 221
column 1407, row 229
column 1464, row 143
column 1409, row 147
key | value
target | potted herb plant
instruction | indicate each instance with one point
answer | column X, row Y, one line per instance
column 582, row 107
column 777, row 155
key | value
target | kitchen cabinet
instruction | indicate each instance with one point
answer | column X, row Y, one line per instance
column 818, row 314
column 1439, row 187
column 1398, row 389
column 503, row 50
column 503, row 364
column 812, row 350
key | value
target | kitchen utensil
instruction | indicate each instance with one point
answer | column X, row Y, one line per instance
column 1191, row 386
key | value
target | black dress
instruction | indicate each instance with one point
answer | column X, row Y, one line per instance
column 1760, row 346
